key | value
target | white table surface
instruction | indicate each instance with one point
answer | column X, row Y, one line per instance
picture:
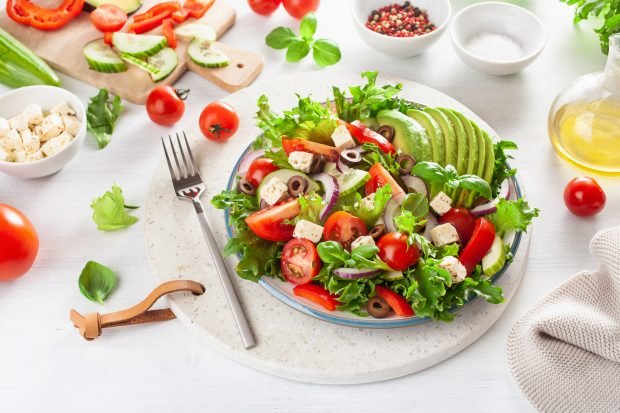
column 46, row 366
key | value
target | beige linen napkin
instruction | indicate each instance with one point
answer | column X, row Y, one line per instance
column 564, row 353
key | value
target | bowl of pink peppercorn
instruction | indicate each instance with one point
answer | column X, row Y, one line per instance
column 401, row 28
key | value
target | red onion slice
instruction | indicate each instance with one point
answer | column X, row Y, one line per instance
column 491, row 206
column 504, row 190
column 392, row 209
column 247, row 160
column 415, row 184
column 356, row 273
column 341, row 167
column 431, row 222
column 332, row 192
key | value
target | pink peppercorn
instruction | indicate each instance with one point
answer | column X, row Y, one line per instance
column 400, row 21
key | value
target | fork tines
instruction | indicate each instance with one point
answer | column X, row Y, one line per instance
column 188, row 169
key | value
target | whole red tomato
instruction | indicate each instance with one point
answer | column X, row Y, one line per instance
column 264, row 7
column 299, row 8
column 19, row 243
column 461, row 219
column 584, row 197
column 259, row 169
column 165, row 105
column 396, row 252
column 219, row 121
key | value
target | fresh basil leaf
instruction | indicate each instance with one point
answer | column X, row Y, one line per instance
column 429, row 171
column 307, row 27
column 109, row 211
column 280, row 38
column 101, row 117
column 326, row 52
column 297, row 50
column 476, row 184
column 331, row 252
column 96, row 281
column 416, row 203
column 366, row 256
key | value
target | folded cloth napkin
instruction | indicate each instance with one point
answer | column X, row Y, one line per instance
column 564, row 353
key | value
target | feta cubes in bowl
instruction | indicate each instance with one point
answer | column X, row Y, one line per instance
column 41, row 129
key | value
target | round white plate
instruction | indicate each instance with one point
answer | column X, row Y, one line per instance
column 290, row 343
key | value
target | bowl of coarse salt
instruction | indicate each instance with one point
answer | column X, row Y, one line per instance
column 497, row 38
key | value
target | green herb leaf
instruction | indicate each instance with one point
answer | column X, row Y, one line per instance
column 281, row 38
column 96, row 281
column 326, row 52
column 307, row 27
column 512, row 216
column 429, row 171
column 370, row 215
column 606, row 10
column 101, row 116
column 331, row 252
column 297, row 50
column 310, row 206
column 109, row 211
column 501, row 171
column 416, row 203
column 476, row 184
column 375, row 155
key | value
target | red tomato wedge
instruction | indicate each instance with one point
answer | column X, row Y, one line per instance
column 364, row 134
column 379, row 176
column 301, row 145
column 317, row 294
column 479, row 244
column 167, row 29
column 197, row 8
column 270, row 223
column 300, row 261
column 396, row 301
column 108, row 18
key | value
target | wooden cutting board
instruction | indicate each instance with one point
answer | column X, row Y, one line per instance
column 62, row 49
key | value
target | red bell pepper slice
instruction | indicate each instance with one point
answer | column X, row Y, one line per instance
column 396, row 301
column 317, row 294
column 180, row 16
column 150, row 23
column 167, row 30
column 158, row 9
column 479, row 244
column 364, row 134
column 28, row 13
column 302, row 145
column 197, row 8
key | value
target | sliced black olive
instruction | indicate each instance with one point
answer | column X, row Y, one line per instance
column 406, row 163
column 297, row 185
column 246, row 187
column 350, row 157
column 377, row 232
column 387, row 132
column 317, row 165
column 377, row 307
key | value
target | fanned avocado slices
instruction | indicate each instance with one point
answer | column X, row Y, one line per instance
column 435, row 134
column 409, row 135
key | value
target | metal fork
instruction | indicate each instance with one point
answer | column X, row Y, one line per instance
column 188, row 185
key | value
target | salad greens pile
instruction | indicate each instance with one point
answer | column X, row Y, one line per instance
column 607, row 10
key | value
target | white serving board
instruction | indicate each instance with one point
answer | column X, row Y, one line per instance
column 292, row 344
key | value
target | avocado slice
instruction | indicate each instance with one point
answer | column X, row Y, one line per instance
column 128, row 6
column 461, row 140
column 489, row 166
column 481, row 161
column 449, row 135
column 471, row 159
column 409, row 135
column 435, row 134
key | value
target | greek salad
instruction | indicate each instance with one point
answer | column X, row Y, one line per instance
column 375, row 205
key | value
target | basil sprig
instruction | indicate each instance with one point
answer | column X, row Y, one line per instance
column 324, row 51
column 433, row 172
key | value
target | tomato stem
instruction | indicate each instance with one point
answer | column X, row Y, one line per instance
column 217, row 130
column 182, row 93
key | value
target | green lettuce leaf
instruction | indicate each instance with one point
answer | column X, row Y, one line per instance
column 512, row 216
column 502, row 171
column 109, row 211
column 101, row 116
column 370, row 215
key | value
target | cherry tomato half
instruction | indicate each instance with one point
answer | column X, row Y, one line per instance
column 259, row 169
column 584, row 197
column 270, row 223
column 218, row 121
column 300, row 261
column 108, row 18
column 379, row 176
column 317, row 294
column 264, row 7
column 165, row 105
column 299, row 8
column 396, row 252
column 344, row 228
column 19, row 241
column 479, row 244
column 461, row 219
column 396, row 301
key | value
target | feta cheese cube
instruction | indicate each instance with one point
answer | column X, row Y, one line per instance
column 363, row 241
column 454, row 267
column 31, row 142
column 18, row 122
column 63, row 108
column 13, row 141
column 308, row 230
column 6, row 155
column 302, row 161
column 444, row 234
column 273, row 191
column 72, row 124
column 52, row 126
column 21, row 156
column 33, row 114
column 441, row 203
column 55, row 145
column 342, row 138
column 4, row 127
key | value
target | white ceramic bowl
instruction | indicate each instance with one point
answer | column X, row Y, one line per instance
column 498, row 18
column 15, row 101
column 439, row 12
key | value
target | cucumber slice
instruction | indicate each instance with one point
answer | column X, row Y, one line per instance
column 193, row 31
column 284, row 175
column 352, row 180
column 138, row 45
column 495, row 259
column 165, row 61
column 101, row 58
column 392, row 275
column 206, row 54
column 142, row 64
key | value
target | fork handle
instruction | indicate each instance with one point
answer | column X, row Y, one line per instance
column 242, row 323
